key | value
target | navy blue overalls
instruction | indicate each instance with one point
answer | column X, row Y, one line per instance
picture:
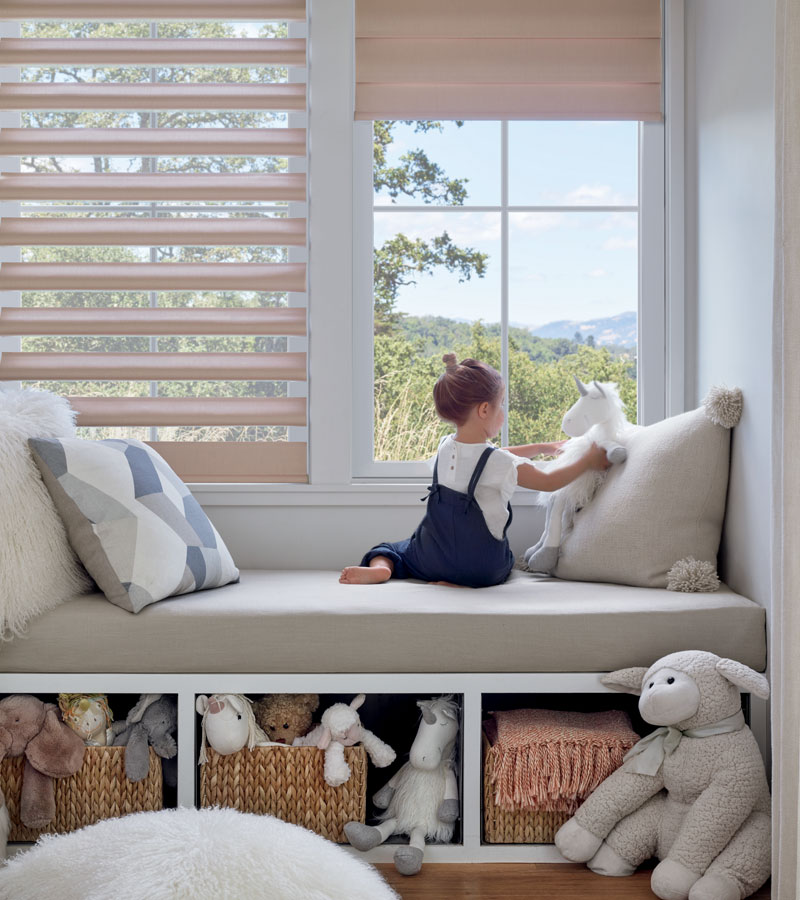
column 452, row 542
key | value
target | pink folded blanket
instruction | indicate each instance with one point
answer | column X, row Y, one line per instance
column 549, row 759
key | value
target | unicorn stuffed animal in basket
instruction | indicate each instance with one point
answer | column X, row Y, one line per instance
column 228, row 724
column 421, row 799
column 598, row 417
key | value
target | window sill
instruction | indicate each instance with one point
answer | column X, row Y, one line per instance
column 374, row 494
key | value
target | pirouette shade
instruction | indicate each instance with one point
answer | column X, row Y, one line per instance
column 216, row 349
column 509, row 59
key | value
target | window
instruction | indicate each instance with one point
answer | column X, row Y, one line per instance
column 517, row 242
column 154, row 217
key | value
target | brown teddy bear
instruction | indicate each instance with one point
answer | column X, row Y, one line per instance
column 285, row 716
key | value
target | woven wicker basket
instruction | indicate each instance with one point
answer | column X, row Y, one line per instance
column 287, row 782
column 523, row 826
column 100, row 789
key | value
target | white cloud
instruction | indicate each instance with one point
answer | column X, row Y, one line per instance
column 597, row 273
column 627, row 221
column 465, row 228
column 536, row 221
column 619, row 243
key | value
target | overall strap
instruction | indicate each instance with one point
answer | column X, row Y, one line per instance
column 433, row 487
column 481, row 465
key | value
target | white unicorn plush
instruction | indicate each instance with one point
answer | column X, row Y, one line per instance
column 228, row 724
column 598, row 417
column 421, row 799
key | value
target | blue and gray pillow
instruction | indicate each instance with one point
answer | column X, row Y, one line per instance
column 133, row 523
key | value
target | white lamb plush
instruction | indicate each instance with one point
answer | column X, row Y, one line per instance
column 341, row 727
column 693, row 793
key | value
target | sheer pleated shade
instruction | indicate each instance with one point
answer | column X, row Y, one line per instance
column 152, row 52
column 513, row 59
column 193, row 186
column 254, row 392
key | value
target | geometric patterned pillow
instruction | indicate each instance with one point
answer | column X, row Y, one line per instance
column 133, row 523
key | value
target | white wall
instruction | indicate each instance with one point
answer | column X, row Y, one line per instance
column 319, row 528
column 730, row 172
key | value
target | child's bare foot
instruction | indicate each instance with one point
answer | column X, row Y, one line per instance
column 365, row 575
column 445, row 583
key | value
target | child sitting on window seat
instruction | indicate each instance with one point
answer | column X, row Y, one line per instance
column 462, row 538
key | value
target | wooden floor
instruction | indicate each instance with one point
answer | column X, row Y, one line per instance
column 512, row 881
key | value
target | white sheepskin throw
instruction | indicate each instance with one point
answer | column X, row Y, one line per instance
column 190, row 854
column 39, row 568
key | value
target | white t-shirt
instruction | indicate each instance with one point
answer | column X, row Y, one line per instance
column 457, row 462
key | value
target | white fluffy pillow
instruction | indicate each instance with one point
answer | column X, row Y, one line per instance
column 665, row 503
column 39, row 569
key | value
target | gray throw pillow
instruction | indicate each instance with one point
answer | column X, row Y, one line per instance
column 133, row 523
column 665, row 503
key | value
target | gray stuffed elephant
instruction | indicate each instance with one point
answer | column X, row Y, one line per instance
column 151, row 723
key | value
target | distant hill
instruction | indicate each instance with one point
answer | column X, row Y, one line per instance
column 618, row 330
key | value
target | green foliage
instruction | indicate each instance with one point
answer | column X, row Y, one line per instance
column 540, row 392
column 401, row 261
column 416, row 176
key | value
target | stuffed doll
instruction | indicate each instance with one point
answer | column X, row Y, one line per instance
column 228, row 724
column 89, row 716
column 284, row 717
column 52, row 750
column 421, row 799
column 693, row 793
column 151, row 723
column 341, row 727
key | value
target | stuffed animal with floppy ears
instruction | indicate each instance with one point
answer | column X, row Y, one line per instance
column 693, row 793
column 284, row 717
column 341, row 727
column 34, row 729
column 151, row 723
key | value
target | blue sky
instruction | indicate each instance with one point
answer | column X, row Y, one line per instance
column 562, row 265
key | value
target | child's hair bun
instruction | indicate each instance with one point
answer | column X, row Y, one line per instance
column 450, row 361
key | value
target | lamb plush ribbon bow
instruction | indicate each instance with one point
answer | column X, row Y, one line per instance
column 647, row 756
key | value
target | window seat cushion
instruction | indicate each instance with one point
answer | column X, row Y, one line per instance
column 305, row 621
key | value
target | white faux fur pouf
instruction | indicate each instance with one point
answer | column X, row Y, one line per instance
column 190, row 854
column 39, row 568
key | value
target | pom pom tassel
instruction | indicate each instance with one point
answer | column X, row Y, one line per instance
column 693, row 576
column 724, row 406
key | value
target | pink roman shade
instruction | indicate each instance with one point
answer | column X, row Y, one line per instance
column 208, row 324
column 508, row 59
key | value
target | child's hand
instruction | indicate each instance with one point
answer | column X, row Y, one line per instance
column 557, row 447
column 596, row 458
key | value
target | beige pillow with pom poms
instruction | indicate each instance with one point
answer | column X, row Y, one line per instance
column 665, row 503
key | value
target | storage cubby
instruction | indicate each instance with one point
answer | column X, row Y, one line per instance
column 99, row 789
column 391, row 717
column 501, row 825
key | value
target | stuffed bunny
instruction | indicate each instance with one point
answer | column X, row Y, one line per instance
column 341, row 727
column 693, row 793
column 151, row 723
column 52, row 750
